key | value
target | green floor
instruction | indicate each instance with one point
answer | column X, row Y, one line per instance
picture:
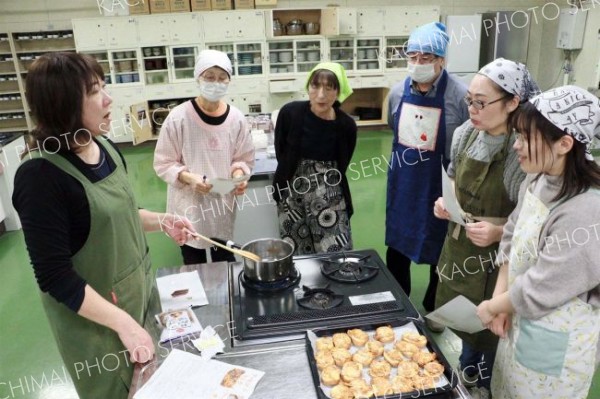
column 29, row 363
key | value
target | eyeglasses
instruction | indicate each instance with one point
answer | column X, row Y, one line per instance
column 478, row 104
column 213, row 79
column 326, row 89
column 424, row 58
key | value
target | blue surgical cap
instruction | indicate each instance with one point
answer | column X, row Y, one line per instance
column 430, row 38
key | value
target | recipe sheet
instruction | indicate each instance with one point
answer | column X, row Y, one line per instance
column 224, row 186
column 183, row 375
column 459, row 314
column 450, row 201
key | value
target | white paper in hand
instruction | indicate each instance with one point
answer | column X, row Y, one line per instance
column 459, row 314
column 450, row 201
column 224, row 186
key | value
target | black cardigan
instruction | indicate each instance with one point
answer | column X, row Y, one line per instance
column 288, row 138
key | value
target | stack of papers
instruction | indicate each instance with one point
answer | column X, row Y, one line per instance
column 186, row 376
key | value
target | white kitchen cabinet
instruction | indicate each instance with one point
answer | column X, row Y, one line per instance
column 358, row 54
column 370, row 21
column 123, row 97
column 125, row 66
column 170, row 29
column 395, row 53
column 233, row 25
column 154, row 29
column 122, row 32
column 246, row 57
column 90, row 33
column 163, row 64
column 292, row 56
column 402, row 20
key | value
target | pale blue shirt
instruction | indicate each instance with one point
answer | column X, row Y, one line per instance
column 456, row 111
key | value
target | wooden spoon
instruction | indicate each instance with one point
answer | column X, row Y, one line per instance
column 241, row 252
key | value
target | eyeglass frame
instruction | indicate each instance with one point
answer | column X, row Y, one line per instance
column 214, row 79
column 326, row 88
column 417, row 56
column 479, row 105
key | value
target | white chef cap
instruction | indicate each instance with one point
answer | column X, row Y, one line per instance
column 210, row 58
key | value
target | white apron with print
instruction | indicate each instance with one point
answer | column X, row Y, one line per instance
column 554, row 356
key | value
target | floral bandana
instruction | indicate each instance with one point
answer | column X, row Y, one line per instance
column 573, row 110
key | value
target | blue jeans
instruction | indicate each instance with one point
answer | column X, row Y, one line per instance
column 477, row 364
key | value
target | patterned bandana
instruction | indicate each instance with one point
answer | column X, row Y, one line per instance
column 512, row 76
column 573, row 110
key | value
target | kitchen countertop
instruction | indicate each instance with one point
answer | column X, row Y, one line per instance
column 287, row 372
column 264, row 166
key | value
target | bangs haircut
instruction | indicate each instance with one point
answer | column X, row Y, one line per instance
column 324, row 77
column 56, row 86
column 580, row 174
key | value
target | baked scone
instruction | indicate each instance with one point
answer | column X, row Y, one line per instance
column 381, row 386
column 380, row 368
column 330, row 376
column 342, row 340
column 351, row 371
column 408, row 369
column 401, row 384
column 340, row 356
column 324, row 359
column 358, row 336
column 433, row 369
column 363, row 357
column 422, row 358
column 415, row 338
column 375, row 347
column 324, row 344
column 385, row 334
column 393, row 357
column 407, row 348
column 341, row 392
column 424, row 382
column 360, row 388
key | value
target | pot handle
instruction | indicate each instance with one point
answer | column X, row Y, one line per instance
column 228, row 243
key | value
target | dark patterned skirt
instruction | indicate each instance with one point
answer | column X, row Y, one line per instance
column 312, row 213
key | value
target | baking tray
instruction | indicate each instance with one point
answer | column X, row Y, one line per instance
column 438, row 392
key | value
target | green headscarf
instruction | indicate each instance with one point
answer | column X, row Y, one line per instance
column 340, row 73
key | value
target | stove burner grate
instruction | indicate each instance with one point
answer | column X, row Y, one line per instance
column 349, row 269
column 273, row 286
column 319, row 298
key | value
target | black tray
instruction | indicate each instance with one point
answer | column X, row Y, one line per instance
column 440, row 392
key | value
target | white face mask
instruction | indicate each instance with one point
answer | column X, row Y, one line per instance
column 212, row 91
column 421, row 73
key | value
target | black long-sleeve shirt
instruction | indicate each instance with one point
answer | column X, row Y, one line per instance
column 55, row 215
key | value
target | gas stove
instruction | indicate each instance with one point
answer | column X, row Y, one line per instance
column 325, row 290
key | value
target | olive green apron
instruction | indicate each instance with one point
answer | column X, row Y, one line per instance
column 464, row 268
column 114, row 261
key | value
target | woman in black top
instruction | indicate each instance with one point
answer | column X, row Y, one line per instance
column 314, row 142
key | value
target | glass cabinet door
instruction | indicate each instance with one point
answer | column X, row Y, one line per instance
column 249, row 59
column 226, row 48
column 368, row 53
column 281, row 57
column 184, row 60
column 125, row 66
column 395, row 52
column 156, row 70
column 102, row 58
column 308, row 54
column 342, row 51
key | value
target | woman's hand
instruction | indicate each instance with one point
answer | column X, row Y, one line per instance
column 198, row 183
column 136, row 340
column 483, row 234
column 485, row 313
column 439, row 209
column 500, row 324
column 180, row 229
column 240, row 188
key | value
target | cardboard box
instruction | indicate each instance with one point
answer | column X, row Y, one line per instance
column 221, row 4
column 159, row 6
column 243, row 4
column 139, row 7
column 265, row 3
column 200, row 5
column 180, row 6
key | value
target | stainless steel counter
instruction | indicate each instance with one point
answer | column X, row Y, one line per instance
column 287, row 372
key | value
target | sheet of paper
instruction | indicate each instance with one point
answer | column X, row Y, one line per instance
column 184, row 375
column 224, row 186
column 171, row 289
column 459, row 314
column 450, row 201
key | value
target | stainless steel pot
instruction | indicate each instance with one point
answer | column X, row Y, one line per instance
column 295, row 27
column 276, row 263
column 311, row 28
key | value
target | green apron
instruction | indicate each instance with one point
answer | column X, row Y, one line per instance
column 115, row 262
column 464, row 268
